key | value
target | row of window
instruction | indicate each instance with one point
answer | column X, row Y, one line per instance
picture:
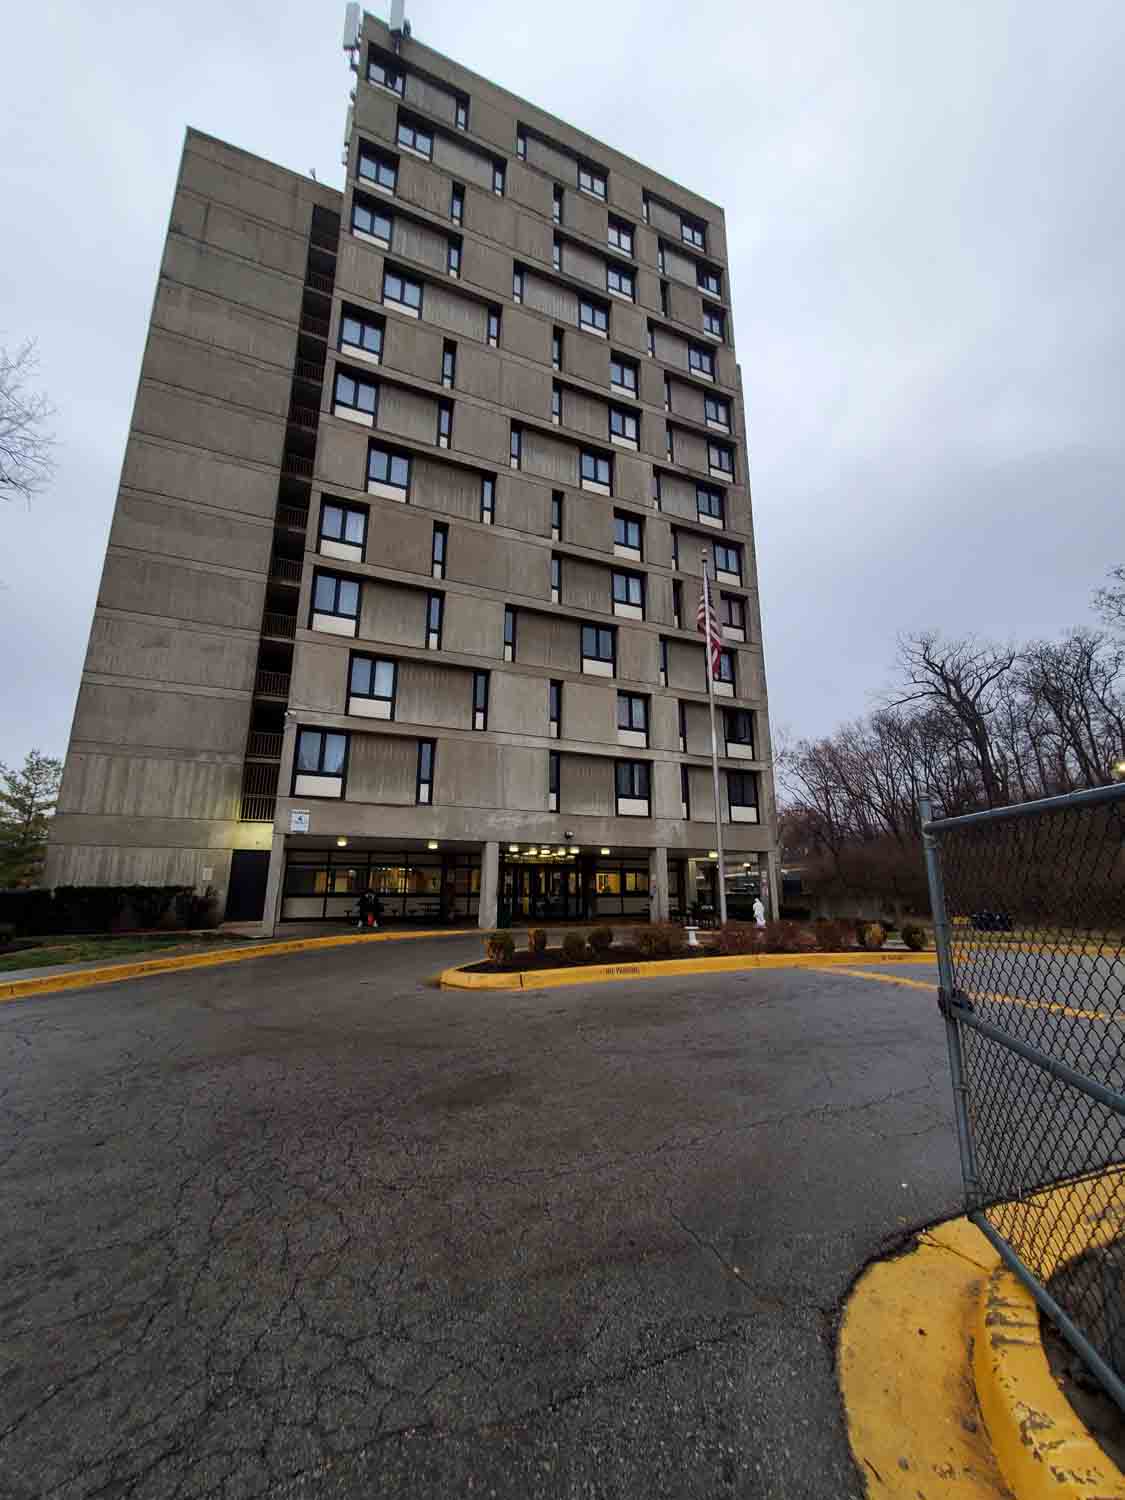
column 595, row 470
column 320, row 769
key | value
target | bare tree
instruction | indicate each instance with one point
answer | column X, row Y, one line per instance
column 26, row 460
column 1110, row 601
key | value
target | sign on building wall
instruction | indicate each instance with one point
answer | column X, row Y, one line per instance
column 299, row 822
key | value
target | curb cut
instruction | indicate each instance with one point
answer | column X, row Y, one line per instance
column 1041, row 1445
column 537, row 979
column 80, row 979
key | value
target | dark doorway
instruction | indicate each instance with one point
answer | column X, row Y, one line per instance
column 537, row 893
column 246, row 897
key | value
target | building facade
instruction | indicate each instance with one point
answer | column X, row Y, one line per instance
column 401, row 587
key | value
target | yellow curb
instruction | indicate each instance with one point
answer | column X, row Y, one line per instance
column 1041, row 1445
column 537, row 979
column 905, row 1376
column 80, row 979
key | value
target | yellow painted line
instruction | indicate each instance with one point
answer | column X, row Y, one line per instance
column 1022, row 1000
column 914, row 984
column 536, row 979
column 1042, row 1447
column 80, row 979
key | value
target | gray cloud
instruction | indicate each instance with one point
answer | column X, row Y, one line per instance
column 925, row 217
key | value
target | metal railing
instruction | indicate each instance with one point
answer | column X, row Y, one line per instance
column 307, row 369
column 272, row 684
column 317, row 327
column 286, row 569
column 1029, row 923
column 317, row 281
column 257, row 809
column 307, row 417
column 279, row 624
column 298, row 466
column 295, row 517
column 264, row 745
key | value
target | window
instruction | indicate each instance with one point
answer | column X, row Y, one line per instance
column 740, row 729
column 598, row 650
column 556, row 515
column 557, row 204
column 462, row 115
column 384, row 75
column 720, row 460
column 677, row 604
column 681, row 717
column 404, row 292
column 493, row 327
column 693, row 233
column 632, row 719
column 515, row 445
column 554, row 707
column 717, row 412
column 629, row 595
column 359, row 335
column 457, row 203
column 657, row 497
column 556, row 349
column 664, row 298
column 644, row 206
column 480, row 700
column 742, row 795
column 669, row 443
column 623, row 426
column 632, row 777
column 453, row 259
column 417, row 138
column 732, row 615
column 556, row 579
column 663, row 662
column 320, row 753
column 343, row 528
column 621, row 235
column 448, row 363
column 517, row 285
column 619, row 281
column 487, row 499
column 725, row 674
column 592, row 316
column 357, row 396
column 675, row 548
column 709, row 504
column 627, row 532
column 708, row 280
column 623, row 373
column 424, row 790
column 667, row 393
column 591, row 180
column 498, row 178
column 379, row 170
column 660, row 257
column 370, row 220
column 435, row 611
column 728, row 560
column 438, row 549
column 509, row 633
column 374, row 681
column 701, row 362
column 521, row 145
column 335, row 597
column 388, row 473
column 552, row 781
column 595, row 471
column 556, row 404
column 713, row 321
column 685, row 792
column 444, row 423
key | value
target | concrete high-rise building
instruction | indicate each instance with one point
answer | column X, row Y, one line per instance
column 402, row 582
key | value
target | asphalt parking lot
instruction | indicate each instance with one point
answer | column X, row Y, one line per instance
column 311, row 1226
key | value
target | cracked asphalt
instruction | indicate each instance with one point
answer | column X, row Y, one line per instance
column 309, row 1226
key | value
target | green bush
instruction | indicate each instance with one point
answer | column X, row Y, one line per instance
column 7, row 933
column 89, row 908
column 600, row 940
column 536, row 940
column 661, row 940
column 874, row 936
column 149, row 903
column 194, row 910
column 574, row 947
column 500, row 947
column 915, row 937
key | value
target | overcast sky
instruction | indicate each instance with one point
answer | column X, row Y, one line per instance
column 924, row 209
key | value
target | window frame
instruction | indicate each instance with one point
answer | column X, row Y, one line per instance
column 630, row 702
column 717, row 499
column 439, row 550
column 721, row 421
column 324, row 735
column 499, row 177
column 596, row 184
column 415, row 130
column 444, row 436
column 557, row 498
column 359, row 384
column 625, row 416
column 726, row 601
column 632, row 588
column 346, row 509
column 596, row 311
column 628, row 366
column 714, row 315
column 558, row 198
column 453, row 256
column 624, row 231
column 511, row 632
column 492, row 337
column 481, row 686
column 554, row 779
column 554, row 707
column 348, row 314
column 435, row 609
column 383, row 162
column 405, row 281
column 375, row 211
column 315, row 608
column 598, row 461
column 515, row 445
column 373, row 661
column 461, row 112
column 626, row 520
column 638, row 774
column 598, row 631
column 398, row 87
column 424, row 773
column 487, row 499
column 730, row 549
column 556, row 348
column 449, row 364
column 693, row 232
column 626, row 287
column 728, row 668
column 731, row 715
column 393, row 457
column 716, row 451
column 708, row 280
column 457, row 202
column 701, row 361
column 737, row 783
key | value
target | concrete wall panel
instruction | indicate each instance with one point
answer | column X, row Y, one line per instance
column 392, row 614
column 638, row 657
column 161, row 412
column 586, row 785
column 547, row 641
column 550, row 458
column 457, row 314
column 517, row 704
column 195, row 265
column 400, row 537
column 179, row 591
column 138, row 716
column 320, row 676
column 147, row 524
column 589, row 712
column 141, row 786
column 382, row 768
column 202, row 316
column 474, row 627
column 189, row 474
column 434, row 695
column 478, row 556
column 547, row 297
column 171, row 654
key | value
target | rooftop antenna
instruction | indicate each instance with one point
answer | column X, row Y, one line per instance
column 400, row 26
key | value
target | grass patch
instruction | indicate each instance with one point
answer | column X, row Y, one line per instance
column 84, row 950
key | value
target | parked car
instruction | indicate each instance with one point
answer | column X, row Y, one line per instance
column 992, row 921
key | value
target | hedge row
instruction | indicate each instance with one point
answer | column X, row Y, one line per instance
column 105, row 908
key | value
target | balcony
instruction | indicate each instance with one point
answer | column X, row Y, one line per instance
column 293, row 517
column 259, row 794
column 286, row 570
column 317, row 327
column 282, row 626
column 268, row 684
column 307, row 417
column 257, row 809
column 296, row 466
column 310, row 371
column 316, row 281
column 262, row 745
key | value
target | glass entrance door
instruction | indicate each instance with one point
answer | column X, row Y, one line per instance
column 543, row 893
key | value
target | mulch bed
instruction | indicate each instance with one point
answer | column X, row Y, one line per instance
column 552, row 958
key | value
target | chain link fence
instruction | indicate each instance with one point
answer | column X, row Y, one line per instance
column 1029, row 914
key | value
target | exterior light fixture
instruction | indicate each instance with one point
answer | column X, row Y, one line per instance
column 513, row 848
column 341, row 843
column 574, row 848
column 604, row 851
column 1118, row 770
column 712, row 854
column 432, row 844
column 533, row 851
column 561, row 849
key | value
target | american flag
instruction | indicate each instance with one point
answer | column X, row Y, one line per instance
column 714, row 640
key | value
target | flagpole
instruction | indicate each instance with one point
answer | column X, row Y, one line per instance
column 721, row 874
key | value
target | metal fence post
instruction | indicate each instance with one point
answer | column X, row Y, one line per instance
column 946, row 1001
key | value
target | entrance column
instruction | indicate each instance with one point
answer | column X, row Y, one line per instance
column 658, row 885
column 274, row 883
column 487, row 905
column 773, row 869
